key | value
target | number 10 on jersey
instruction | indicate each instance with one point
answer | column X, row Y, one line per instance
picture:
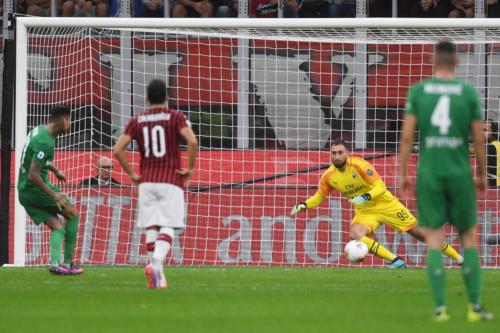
column 154, row 141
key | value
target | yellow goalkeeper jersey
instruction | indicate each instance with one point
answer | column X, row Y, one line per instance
column 359, row 177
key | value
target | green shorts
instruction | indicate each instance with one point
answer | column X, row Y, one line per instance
column 38, row 204
column 446, row 199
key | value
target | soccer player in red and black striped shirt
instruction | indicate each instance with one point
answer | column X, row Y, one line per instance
column 158, row 131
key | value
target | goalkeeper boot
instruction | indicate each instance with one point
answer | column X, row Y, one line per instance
column 397, row 263
column 75, row 269
column 441, row 314
column 150, row 276
column 477, row 313
column 59, row 270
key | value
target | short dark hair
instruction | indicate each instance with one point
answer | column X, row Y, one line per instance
column 339, row 142
column 59, row 111
column 446, row 52
column 446, row 46
column 157, row 91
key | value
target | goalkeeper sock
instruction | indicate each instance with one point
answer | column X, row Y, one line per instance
column 56, row 238
column 436, row 276
column 450, row 252
column 162, row 246
column 377, row 249
column 471, row 272
column 71, row 229
column 151, row 235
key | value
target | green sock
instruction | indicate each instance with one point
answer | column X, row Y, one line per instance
column 436, row 276
column 471, row 271
column 56, row 238
column 71, row 228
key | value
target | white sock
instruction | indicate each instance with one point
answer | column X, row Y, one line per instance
column 161, row 250
column 163, row 245
column 151, row 235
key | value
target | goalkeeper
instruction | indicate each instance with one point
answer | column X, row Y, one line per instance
column 42, row 200
column 374, row 204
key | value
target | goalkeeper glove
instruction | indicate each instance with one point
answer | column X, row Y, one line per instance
column 360, row 199
column 298, row 208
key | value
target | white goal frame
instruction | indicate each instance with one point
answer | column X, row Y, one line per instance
column 22, row 23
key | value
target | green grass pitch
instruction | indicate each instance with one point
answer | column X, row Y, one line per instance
column 235, row 300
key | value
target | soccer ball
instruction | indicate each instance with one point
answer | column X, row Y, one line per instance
column 355, row 251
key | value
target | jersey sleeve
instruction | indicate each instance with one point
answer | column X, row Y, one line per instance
column 323, row 190
column 324, row 186
column 131, row 129
column 410, row 105
column 366, row 171
column 181, row 121
column 42, row 153
column 475, row 104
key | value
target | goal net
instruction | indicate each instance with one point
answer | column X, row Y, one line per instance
column 265, row 99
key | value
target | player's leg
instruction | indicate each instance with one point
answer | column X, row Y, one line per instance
column 434, row 240
column 147, row 218
column 171, row 215
column 361, row 228
column 448, row 250
column 464, row 217
column 162, row 248
column 56, row 239
column 471, row 271
column 151, row 236
column 70, row 228
column 71, row 235
column 433, row 207
column 399, row 218
column 39, row 209
column 158, row 241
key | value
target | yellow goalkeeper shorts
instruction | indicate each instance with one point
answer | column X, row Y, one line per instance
column 394, row 215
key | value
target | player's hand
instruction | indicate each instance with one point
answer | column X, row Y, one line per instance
column 405, row 183
column 360, row 199
column 61, row 201
column 69, row 212
column 136, row 179
column 187, row 174
column 298, row 208
column 481, row 183
column 61, row 177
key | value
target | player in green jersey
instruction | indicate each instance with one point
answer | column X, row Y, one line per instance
column 446, row 110
column 44, row 201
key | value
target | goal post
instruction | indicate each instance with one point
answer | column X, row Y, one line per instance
column 264, row 110
column 20, row 133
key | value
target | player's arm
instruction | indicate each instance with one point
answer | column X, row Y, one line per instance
column 312, row 202
column 371, row 177
column 119, row 152
column 316, row 200
column 377, row 189
column 192, row 143
column 408, row 130
column 478, row 140
column 58, row 173
column 409, row 125
column 35, row 178
column 479, row 147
